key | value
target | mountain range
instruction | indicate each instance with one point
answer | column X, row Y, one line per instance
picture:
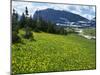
column 58, row 16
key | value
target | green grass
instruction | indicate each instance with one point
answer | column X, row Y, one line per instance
column 50, row 52
column 89, row 31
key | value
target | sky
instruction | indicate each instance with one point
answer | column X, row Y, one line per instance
column 83, row 10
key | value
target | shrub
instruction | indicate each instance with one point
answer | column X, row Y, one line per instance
column 15, row 37
column 28, row 33
column 36, row 30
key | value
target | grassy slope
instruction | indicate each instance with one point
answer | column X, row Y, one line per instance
column 53, row 53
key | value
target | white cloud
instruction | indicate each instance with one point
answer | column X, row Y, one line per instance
column 20, row 6
column 85, row 11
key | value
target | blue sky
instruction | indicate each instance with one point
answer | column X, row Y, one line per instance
column 83, row 10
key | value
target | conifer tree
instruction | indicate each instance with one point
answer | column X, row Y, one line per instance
column 22, row 21
column 28, row 32
column 15, row 27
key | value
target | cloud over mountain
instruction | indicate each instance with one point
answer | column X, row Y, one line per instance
column 83, row 10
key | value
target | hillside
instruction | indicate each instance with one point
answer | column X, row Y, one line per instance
column 58, row 16
column 50, row 52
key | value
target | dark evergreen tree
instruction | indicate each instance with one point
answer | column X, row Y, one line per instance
column 22, row 21
column 50, row 28
column 28, row 32
column 38, row 25
column 31, row 23
column 14, row 21
column 44, row 25
column 26, row 11
column 15, row 27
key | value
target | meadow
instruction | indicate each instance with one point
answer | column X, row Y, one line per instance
column 52, row 52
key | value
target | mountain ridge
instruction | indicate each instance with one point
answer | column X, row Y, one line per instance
column 58, row 16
